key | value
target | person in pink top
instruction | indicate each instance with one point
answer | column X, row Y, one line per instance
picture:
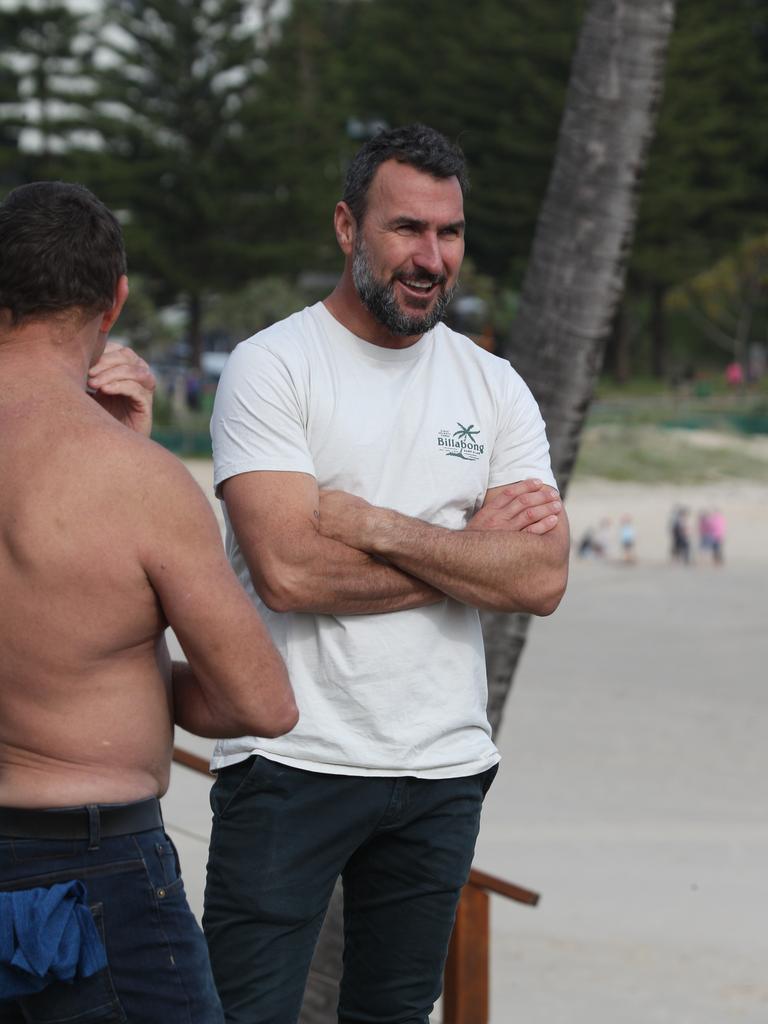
column 717, row 535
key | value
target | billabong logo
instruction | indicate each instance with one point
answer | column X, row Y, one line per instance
column 461, row 443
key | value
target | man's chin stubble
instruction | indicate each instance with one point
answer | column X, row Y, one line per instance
column 385, row 309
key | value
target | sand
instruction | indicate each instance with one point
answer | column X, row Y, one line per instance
column 632, row 788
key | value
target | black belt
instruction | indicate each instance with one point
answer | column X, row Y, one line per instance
column 80, row 822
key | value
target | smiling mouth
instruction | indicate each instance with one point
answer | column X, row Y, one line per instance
column 420, row 288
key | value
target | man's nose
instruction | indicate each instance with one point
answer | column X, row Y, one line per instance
column 427, row 255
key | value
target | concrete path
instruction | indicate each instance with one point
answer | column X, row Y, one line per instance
column 633, row 797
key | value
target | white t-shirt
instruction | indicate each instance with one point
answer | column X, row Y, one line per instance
column 425, row 430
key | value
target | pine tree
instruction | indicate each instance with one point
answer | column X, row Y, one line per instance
column 170, row 78
column 40, row 82
column 705, row 189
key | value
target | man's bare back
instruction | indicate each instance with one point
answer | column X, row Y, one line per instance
column 105, row 539
column 85, row 705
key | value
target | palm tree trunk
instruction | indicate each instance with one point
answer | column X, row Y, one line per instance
column 576, row 272
column 573, row 284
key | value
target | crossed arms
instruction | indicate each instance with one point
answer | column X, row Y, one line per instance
column 331, row 552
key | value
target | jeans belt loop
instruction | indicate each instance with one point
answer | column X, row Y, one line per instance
column 94, row 827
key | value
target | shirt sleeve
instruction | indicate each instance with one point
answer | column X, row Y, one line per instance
column 521, row 449
column 259, row 416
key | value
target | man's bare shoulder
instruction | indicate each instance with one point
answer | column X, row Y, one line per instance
column 145, row 483
column 139, row 459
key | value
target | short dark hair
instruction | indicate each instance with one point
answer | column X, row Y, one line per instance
column 60, row 249
column 416, row 145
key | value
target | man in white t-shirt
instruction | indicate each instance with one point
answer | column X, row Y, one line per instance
column 383, row 478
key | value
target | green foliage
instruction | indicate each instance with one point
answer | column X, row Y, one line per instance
column 705, row 182
column 9, row 96
column 167, row 77
column 294, row 136
column 706, row 186
column 169, row 81
column 260, row 303
column 728, row 302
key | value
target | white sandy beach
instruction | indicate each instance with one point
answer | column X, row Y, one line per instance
column 632, row 790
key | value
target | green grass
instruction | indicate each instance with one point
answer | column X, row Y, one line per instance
column 746, row 413
column 648, row 454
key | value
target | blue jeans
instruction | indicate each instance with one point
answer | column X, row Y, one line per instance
column 158, row 969
column 282, row 836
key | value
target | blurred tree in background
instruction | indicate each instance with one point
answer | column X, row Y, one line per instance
column 9, row 99
column 221, row 131
column 169, row 83
column 706, row 189
column 40, row 82
column 728, row 303
column 296, row 122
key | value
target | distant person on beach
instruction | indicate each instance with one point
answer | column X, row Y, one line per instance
column 712, row 534
column 627, row 539
column 105, row 540
column 716, row 535
column 586, row 546
column 602, row 539
column 680, row 535
column 704, row 527
column 383, row 478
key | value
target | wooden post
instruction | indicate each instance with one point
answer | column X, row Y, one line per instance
column 465, row 995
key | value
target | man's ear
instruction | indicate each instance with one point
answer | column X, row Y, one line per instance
column 345, row 226
column 121, row 294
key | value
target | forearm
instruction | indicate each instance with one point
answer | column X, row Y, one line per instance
column 295, row 567
column 498, row 570
column 194, row 711
column 204, row 712
column 328, row 577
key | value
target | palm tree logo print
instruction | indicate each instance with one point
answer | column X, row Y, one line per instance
column 467, row 447
column 468, row 432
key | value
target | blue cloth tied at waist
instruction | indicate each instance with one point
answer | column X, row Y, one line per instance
column 46, row 935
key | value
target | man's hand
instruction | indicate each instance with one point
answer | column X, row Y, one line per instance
column 528, row 506
column 124, row 386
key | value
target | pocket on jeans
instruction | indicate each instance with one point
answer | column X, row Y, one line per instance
column 88, row 1001
column 235, row 780
column 170, row 869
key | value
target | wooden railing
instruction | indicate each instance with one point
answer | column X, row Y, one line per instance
column 467, row 970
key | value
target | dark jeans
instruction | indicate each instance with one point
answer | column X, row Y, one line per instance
column 281, row 838
column 158, row 970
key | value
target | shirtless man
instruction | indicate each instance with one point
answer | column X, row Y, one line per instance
column 105, row 540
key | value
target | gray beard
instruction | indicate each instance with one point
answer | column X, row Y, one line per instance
column 379, row 299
